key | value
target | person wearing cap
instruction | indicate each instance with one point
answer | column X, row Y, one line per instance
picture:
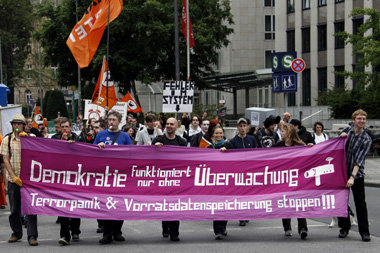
column 286, row 117
column 242, row 140
column 304, row 135
column 267, row 136
column 11, row 152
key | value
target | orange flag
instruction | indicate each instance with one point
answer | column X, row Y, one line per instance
column 132, row 105
column 99, row 97
column 38, row 119
column 85, row 37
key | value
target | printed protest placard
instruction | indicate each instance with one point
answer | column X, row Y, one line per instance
column 178, row 96
column 150, row 183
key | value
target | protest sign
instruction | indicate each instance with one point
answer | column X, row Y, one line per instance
column 178, row 96
column 150, row 183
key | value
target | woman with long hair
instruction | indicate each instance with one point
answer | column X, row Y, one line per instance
column 218, row 142
column 289, row 137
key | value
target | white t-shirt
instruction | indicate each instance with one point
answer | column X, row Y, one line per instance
column 321, row 138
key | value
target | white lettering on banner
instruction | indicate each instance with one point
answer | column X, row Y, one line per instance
column 72, row 37
column 63, row 203
column 78, row 178
column 204, row 177
column 88, row 22
column 81, row 32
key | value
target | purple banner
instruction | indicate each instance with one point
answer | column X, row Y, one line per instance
column 181, row 183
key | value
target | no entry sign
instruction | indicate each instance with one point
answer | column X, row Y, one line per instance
column 298, row 65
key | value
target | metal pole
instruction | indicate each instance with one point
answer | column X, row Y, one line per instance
column 80, row 110
column 40, row 78
column 176, row 45
column 74, row 106
column 108, row 49
column 188, row 39
column 1, row 65
column 298, row 95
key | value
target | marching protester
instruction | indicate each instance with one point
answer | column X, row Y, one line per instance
column 170, row 228
column 267, row 136
column 207, row 137
column 78, row 124
column 87, row 134
column 68, row 224
column 131, row 132
column 30, row 129
column 196, row 138
column 57, row 127
column 3, row 181
column 148, row 133
column 242, row 140
column 357, row 147
column 279, row 128
column 112, row 136
column 286, row 117
column 290, row 138
column 219, row 142
column 193, row 129
column 185, row 120
column 304, row 135
column 44, row 132
column 11, row 152
column 181, row 128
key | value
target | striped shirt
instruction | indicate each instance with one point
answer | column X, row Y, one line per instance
column 357, row 148
column 15, row 160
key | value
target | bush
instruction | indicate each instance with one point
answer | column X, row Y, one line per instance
column 56, row 103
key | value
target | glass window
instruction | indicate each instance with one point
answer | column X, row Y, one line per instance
column 29, row 71
column 322, row 2
column 306, row 40
column 356, row 23
column 28, row 94
column 322, row 79
column 339, row 79
column 268, row 59
column 305, row 4
column 322, row 37
column 339, row 41
column 268, row 3
column 290, row 39
column 291, row 99
column 306, row 88
column 269, row 27
column 290, row 6
column 339, row 1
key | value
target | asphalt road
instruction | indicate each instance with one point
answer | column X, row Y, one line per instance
column 197, row 236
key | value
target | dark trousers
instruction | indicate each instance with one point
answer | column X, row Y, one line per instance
column 112, row 228
column 220, row 226
column 302, row 224
column 171, row 227
column 358, row 192
column 15, row 216
column 67, row 225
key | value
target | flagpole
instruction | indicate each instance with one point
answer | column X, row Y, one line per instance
column 80, row 111
column 108, row 48
column 188, row 39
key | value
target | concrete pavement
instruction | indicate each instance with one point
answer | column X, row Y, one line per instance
column 372, row 171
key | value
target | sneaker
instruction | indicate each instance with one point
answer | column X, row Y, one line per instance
column 119, row 238
column 288, row 233
column 33, row 241
column 242, row 223
column 174, row 238
column 105, row 240
column 219, row 236
column 63, row 241
column 343, row 233
column 303, row 234
column 13, row 239
column 366, row 237
column 165, row 234
column 99, row 230
column 75, row 237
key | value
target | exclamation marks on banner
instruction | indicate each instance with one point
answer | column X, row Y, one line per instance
column 328, row 201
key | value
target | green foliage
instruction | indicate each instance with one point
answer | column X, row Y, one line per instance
column 141, row 40
column 366, row 92
column 16, row 25
column 55, row 103
column 45, row 100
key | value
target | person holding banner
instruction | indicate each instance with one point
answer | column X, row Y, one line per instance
column 112, row 136
column 357, row 147
column 289, row 137
column 11, row 152
column 148, row 133
column 218, row 142
column 170, row 138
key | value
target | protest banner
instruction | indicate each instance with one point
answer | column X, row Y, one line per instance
column 178, row 96
column 150, row 183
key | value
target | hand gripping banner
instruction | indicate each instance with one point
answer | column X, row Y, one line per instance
column 181, row 183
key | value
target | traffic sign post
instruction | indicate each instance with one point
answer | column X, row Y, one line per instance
column 298, row 65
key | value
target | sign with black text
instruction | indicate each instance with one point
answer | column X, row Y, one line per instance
column 178, row 96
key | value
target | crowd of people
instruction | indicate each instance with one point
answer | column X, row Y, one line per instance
column 194, row 131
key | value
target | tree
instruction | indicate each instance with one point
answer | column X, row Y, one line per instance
column 56, row 103
column 141, row 41
column 366, row 92
column 16, row 26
